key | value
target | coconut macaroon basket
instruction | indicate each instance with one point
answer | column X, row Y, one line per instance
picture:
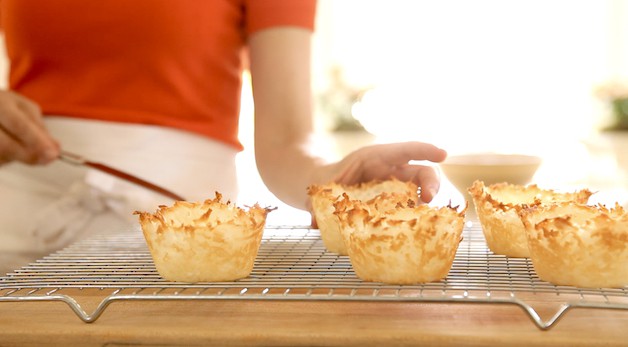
column 323, row 197
column 578, row 245
column 210, row 241
column 497, row 207
column 399, row 243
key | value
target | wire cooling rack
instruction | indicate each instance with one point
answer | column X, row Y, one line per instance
column 292, row 264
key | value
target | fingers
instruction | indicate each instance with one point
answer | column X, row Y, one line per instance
column 426, row 177
column 403, row 152
column 351, row 170
column 23, row 136
column 428, row 180
column 380, row 162
column 30, row 110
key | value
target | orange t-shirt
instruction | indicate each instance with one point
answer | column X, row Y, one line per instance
column 172, row 63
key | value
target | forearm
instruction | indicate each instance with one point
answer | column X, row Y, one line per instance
column 280, row 71
column 288, row 169
column 282, row 147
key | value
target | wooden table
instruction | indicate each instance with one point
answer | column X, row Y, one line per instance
column 302, row 323
column 232, row 318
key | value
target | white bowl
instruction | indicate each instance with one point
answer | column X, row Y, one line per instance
column 619, row 144
column 464, row 169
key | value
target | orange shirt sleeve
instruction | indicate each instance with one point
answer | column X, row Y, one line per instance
column 171, row 63
column 262, row 14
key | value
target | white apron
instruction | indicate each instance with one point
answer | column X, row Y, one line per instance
column 44, row 208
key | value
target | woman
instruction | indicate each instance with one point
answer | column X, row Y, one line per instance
column 152, row 87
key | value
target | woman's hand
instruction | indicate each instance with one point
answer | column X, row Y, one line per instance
column 389, row 160
column 23, row 136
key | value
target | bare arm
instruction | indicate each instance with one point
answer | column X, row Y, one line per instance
column 280, row 70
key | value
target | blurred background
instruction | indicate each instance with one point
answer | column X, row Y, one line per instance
column 532, row 77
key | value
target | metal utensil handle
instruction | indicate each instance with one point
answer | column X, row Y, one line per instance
column 75, row 159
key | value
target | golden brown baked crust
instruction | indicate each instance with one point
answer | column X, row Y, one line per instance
column 578, row 245
column 402, row 245
column 323, row 197
column 204, row 242
column 497, row 207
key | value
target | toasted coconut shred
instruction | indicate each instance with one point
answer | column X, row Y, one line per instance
column 323, row 197
column 405, row 244
column 498, row 205
column 208, row 241
column 578, row 245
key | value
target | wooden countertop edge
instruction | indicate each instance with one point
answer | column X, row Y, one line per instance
column 297, row 323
